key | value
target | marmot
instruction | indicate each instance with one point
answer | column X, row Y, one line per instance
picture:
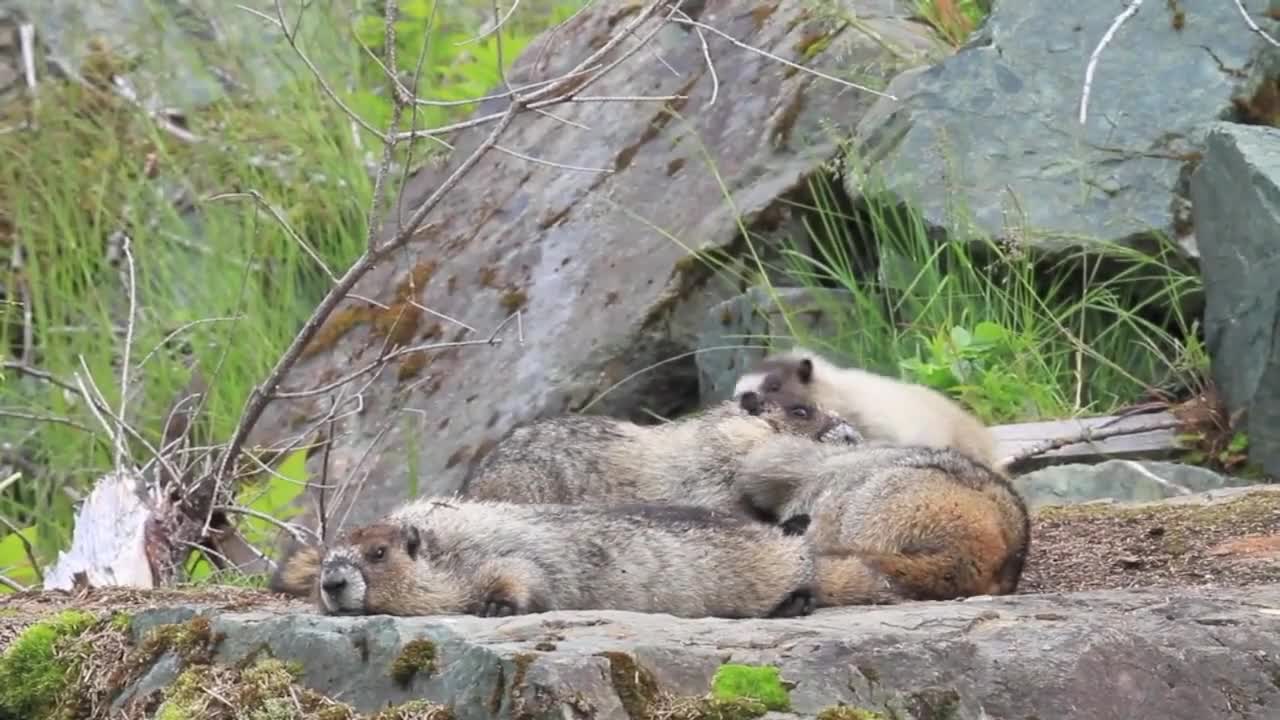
column 447, row 555
column 905, row 522
column 574, row 459
column 882, row 408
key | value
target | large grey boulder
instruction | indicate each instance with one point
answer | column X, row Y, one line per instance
column 1236, row 204
column 1131, row 655
column 605, row 292
column 994, row 128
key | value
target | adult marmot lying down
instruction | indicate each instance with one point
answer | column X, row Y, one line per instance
column 447, row 556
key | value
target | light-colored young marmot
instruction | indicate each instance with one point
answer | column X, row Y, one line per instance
column 882, row 408
column 575, row 459
column 908, row 522
column 450, row 556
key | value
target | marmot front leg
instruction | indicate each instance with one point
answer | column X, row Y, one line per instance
column 509, row 586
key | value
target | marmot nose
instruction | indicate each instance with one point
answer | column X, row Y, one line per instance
column 333, row 585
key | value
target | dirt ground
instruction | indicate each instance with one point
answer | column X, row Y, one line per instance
column 1228, row 543
column 1082, row 547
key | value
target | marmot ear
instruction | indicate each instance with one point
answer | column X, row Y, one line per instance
column 805, row 370
column 750, row 401
column 412, row 540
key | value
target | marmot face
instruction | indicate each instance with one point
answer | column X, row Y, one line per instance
column 781, row 374
column 790, row 413
column 369, row 563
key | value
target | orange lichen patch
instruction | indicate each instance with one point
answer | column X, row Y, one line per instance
column 1251, row 547
column 398, row 323
column 1263, row 107
column 434, row 330
column 416, row 280
column 488, row 277
column 340, row 323
column 412, row 365
column 762, row 12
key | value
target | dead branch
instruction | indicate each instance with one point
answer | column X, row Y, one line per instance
column 26, row 546
column 1254, row 26
column 1014, row 462
column 1130, row 10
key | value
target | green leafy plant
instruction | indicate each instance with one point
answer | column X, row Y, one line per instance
column 982, row 368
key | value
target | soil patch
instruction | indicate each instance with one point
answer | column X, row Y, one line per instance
column 1227, row 543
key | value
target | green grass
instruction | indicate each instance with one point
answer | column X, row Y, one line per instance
column 238, row 286
column 987, row 323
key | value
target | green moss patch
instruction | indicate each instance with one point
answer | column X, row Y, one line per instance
column 418, row 656
column 761, row 684
column 36, row 670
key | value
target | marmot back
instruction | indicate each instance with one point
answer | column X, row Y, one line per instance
column 691, row 461
column 882, row 408
column 929, row 523
column 448, row 556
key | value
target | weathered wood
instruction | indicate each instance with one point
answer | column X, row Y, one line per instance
column 109, row 542
column 1155, row 442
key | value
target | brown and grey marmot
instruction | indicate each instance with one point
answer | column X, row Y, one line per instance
column 882, row 408
column 451, row 556
column 904, row 522
column 574, row 459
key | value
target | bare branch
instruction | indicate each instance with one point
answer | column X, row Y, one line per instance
column 1254, row 26
column 1127, row 13
column 686, row 20
column 284, row 224
column 125, row 361
column 1014, row 462
column 11, row 584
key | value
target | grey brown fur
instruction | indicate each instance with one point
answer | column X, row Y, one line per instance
column 894, row 522
column 578, row 459
column 448, row 556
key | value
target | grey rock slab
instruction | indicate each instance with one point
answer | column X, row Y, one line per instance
column 1126, row 654
column 1125, row 481
column 1236, row 207
column 754, row 319
column 994, row 128
column 187, row 53
column 607, row 294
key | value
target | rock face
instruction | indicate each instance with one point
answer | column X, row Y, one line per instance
column 587, row 256
column 1236, row 201
column 753, row 320
column 1193, row 655
column 1118, row 480
column 997, row 123
column 183, row 54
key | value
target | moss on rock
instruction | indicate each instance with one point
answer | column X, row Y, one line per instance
column 36, row 671
column 760, row 683
column 418, row 656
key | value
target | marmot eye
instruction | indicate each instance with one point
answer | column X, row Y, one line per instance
column 800, row 412
column 379, row 552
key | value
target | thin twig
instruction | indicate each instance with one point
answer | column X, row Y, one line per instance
column 27, row 38
column 686, row 20
column 1254, row 26
column 51, row 419
column 181, row 329
column 26, row 546
column 298, row 532
column 11, row 584
column 126, row 360
column 280, row 219
column 1128, row 12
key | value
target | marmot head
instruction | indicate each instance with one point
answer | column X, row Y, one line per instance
column 790, row 372
column 386, row 569
column 358, row 569
column 793, row 414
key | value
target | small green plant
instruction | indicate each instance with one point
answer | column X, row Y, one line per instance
column 760, row 684
column 982, row 368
